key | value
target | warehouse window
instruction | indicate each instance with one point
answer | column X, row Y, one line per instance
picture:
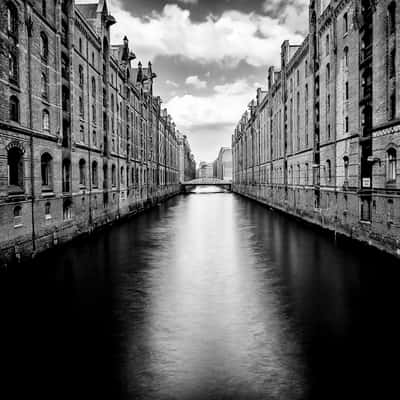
column 44, row 47
column 45, row 121
column 93, row 87
column 17, row 216
column 346, row 169
column 46, row 171
column 95, row 177
column 391, row 165
column 365, row 209
column 12, row 20
column 81, row 78
column 345, row 23
column 14, row 109
column 82, row 172
column 113, row 176
column 67, row 209
column 15, row 167
column 47, row 210
column 44, row 86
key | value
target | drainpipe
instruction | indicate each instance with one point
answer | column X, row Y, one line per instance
column 89, row 126
column 29, row 26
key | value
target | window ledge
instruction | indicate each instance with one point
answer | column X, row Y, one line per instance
column 48, row 194
column 18, row 225
column 363, row 222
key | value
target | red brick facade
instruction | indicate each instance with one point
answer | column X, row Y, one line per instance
column 83, row 140
column 322, row 141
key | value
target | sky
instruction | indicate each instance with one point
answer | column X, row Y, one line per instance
column 210, row 56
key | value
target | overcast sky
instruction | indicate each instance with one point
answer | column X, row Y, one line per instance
column 209, row 55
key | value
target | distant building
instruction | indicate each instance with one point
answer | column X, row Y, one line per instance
column 205, row 170
column 187, row 163
column 223, row 164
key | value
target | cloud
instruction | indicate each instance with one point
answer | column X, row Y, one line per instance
column 293, row 13
column 196, row 82
column 188, row 1
column 227, row 39
column 172, row 83
column 224, row 105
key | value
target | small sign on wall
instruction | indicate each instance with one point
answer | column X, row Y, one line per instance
column 366, row 182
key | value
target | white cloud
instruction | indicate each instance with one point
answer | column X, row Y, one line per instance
column 228, row 39
column 293, row 13
column 188, row 1
column 171, row 83
column 196, row 82
column 224, row 106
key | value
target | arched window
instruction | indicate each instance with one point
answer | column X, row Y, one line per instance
column 13, row 64
column 94, row 118
column 46, row 171
column 95, row 176
column 82, row 172
column 47, row 210
column 44, row 8
column 80, row 45
column 67, row 209
column 15, row 167
column 327, row 45
column 44, row 86
column 345, row 23
column 14, row 109
column 45, row 121
column 391, row 165
column 81, row 78
column 44, row 47
column 122, row 176
column 93, row 87
column 12, row 20
column 92, row 58
column 17, row 216
column 94, row 138
column 328, row 74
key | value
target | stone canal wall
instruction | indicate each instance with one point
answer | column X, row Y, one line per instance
column 339, row 213
column 55, row 231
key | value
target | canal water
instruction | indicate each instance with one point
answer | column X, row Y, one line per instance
column 208, row 296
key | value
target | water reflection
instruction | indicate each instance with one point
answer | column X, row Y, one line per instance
column 206, row 297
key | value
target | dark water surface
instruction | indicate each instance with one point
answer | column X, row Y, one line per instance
column 210, row 296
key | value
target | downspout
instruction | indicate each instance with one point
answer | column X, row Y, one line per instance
column 89, row 137
column 29, row 26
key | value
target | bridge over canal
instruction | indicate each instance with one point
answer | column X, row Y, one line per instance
column 189, row 185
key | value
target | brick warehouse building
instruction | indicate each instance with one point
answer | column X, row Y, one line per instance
column 83, row 141
column 322, row 142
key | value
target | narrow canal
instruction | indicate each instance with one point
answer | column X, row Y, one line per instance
column 209, row 296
